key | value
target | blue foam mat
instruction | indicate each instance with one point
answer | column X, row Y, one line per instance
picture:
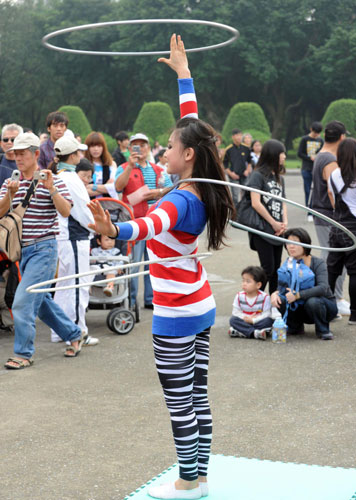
column 232, row 478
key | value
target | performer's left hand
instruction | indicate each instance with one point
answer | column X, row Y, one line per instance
column 103, row 224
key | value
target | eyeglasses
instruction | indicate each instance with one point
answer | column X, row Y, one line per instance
column 7, row 139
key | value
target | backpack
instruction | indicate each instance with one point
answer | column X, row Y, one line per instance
column 297, row 276
column 11, row 227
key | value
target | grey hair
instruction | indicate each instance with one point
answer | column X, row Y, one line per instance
column 11, row 126
column 33, row 149
column 247, row 134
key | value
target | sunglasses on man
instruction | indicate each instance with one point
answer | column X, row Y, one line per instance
column 7, row 139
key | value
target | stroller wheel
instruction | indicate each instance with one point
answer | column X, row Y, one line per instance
column 121, row 321
column 137, row 312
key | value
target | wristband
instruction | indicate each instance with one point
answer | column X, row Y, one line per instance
column 116, row 235
column 94, row 188
column 53, row 193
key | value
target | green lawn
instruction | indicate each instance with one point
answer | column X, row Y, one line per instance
column 294, row 163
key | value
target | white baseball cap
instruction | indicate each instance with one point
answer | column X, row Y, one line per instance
column 67, row 145
column 139, row 136
column 25, row 141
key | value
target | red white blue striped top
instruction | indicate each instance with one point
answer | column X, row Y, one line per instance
column 182, row 298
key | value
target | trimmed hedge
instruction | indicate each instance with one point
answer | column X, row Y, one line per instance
column 154, row 119
column 343, row 110
column 246, row 116
column 110, row 142
column 78, row 122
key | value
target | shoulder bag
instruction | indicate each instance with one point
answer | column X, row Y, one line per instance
column 11, row 227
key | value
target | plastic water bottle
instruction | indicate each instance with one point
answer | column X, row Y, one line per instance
column 279, row 331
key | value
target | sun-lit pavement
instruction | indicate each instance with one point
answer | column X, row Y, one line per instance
column 95, row 427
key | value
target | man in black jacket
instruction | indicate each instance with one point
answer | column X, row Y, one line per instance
column 237, row 162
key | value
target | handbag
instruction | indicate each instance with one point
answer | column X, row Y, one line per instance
column 248, row 216
column 11, row 227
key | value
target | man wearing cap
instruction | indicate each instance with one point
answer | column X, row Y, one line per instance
column 73, row 238
column 324, row 164
column 141, row 183
column 56, row 123
column 237, row 162
column 39, row 252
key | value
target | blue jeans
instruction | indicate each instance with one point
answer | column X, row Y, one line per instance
column 38, row 263
column 307, row 180
column 315, row 310
column 138, row 252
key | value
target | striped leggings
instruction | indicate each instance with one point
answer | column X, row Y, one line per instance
column 182, row 366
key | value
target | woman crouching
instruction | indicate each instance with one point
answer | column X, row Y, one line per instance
column 315, row 302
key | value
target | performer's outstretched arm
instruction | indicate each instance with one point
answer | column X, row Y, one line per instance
column 178, row 61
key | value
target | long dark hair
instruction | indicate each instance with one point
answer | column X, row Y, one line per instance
column 268, row 162
column 346, row 159
column 218, row 202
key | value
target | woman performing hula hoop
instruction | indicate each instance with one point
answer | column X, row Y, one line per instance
column 184, row 307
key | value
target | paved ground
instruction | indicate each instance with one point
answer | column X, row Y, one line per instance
column 95, row 427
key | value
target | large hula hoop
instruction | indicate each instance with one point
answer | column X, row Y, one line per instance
column 138, row 21
column 280, row 198
column 35, row 288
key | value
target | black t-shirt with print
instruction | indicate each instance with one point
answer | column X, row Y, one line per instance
column 271, row 185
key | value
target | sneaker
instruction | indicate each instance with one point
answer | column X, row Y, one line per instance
column 343, row 307
column 337, row 318
column 327, row 336
column 88, row 340
column 260, row 334
column 275, row 313
column 310, row 218
column 235, row 333
column 352, row 319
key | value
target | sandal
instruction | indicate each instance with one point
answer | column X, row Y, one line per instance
column 19, row 363
column 74, row 350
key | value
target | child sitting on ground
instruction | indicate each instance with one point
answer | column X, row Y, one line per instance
column 251, row 313
column 106, row 248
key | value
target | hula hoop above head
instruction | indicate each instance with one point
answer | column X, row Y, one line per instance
column 237, row 225
column 36, row 287
column 220, row 26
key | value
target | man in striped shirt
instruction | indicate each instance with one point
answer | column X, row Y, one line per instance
column 141, row 183
column 39, row 252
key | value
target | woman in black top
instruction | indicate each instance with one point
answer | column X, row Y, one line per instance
column 267, row 177
column 342, row 193
column 319, row 306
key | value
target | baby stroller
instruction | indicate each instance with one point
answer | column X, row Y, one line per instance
column 121, row 319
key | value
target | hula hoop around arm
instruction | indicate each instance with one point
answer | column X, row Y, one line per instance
column 285, row 200
column 35, row 288
column 138, row 21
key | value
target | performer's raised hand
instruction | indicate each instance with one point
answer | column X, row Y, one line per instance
column 178, row 60
column 103, row 224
